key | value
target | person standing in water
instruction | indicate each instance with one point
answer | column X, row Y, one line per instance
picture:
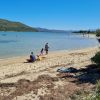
column 46, row 48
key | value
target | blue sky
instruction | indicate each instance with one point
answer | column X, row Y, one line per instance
column 53, row 14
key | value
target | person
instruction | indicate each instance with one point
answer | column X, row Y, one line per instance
column 32, row 58
column 41, row 52
column 39, row 58
column 46, row 48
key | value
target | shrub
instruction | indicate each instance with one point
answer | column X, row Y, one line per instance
column 93, row 95
column 96, row 58
column 98, row 33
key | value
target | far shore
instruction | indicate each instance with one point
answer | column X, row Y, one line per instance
column 87, row 35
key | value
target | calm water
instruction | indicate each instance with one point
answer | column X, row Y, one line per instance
column 22, row 43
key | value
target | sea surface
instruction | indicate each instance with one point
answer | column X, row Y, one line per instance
column 22, row 43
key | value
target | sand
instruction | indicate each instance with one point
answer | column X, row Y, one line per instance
column 16, row 68
column 13, row 69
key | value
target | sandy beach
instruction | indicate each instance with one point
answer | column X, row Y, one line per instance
column 14, row 69
column 49, row 50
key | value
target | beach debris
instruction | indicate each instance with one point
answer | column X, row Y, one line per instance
column 67, row 70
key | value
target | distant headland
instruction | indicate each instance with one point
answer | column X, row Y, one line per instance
column 6, row 25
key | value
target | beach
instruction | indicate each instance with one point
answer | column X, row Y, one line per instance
column 14, row 69
column 72, row 58
column 49, row 50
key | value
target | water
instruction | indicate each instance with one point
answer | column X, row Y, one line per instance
column 22, row 43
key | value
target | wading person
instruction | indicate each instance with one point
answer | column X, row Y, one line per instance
column 46, row 48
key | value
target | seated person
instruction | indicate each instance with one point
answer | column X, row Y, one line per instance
column 32, row 58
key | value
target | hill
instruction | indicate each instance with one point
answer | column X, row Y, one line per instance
column 6, row 25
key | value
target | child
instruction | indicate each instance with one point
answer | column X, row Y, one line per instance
column 39, row 57
column 41, row 52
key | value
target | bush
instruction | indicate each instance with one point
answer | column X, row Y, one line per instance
column 96, row 58
column 92, row 95
column 98, row 33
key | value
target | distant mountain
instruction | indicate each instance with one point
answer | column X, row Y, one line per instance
column 51, row 30
column 6, row 25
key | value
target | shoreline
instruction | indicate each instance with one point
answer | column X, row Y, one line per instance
column 52, row 52
column 17, row 65
column 21, row 59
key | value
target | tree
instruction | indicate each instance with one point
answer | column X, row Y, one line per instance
column 98, row 32
column 96, row 58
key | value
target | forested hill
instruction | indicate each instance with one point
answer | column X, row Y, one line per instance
column 6, row 25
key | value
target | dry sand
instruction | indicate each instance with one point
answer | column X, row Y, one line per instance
column 14, row 69
column 17, row 66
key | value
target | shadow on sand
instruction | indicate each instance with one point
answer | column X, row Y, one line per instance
column 89, row 74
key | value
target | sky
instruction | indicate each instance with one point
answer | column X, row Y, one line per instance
column 53, row 14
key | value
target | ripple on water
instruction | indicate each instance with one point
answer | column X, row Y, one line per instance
column 7, row 41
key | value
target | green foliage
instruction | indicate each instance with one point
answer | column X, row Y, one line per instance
column 6, row 25
column 96, row 94
column 96, row 58
column 98, row 87
column 98, row 32
column 90, row 95
column 85, row 32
